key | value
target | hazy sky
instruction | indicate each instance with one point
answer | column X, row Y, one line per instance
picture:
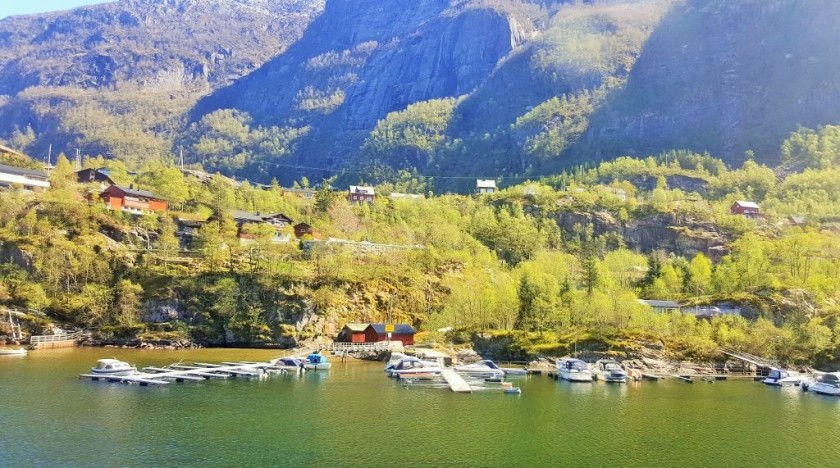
column 22, row 7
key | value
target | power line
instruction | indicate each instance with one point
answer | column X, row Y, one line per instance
column 419, row 176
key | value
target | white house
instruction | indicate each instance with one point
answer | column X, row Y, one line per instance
column 28, row 178
column 485, row 186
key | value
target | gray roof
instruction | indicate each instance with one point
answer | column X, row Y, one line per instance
column 365, row 190
column 660, row 304
column 246, row 216
column 357, row 327
column 22, row 171
column 137, row 193
column 485, row 183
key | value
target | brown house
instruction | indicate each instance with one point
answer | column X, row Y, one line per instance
column 89, row 176
column 132, row 201
column 359, row 194
column 303, row 229
column 278, row 220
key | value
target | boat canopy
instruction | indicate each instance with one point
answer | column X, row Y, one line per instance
column 490, row 364
column 575, row 364
column 289, row 361
column 316, row 358
column 777, row 374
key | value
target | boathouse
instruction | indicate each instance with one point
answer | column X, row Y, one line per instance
column 375, row 332
column 352, row 333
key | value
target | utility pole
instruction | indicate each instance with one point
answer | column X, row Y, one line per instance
column 78, row 160
column 181, row 158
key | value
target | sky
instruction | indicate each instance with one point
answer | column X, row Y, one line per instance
column 22, row 7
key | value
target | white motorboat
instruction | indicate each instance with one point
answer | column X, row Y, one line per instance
column 826, row 384
column 291, row 364
column 113, row 367
column 610, row 371
column 481, row 369
column 574, row 370
column 410, row 366
column 783, row 378
column 316, row 361
column 12, row 352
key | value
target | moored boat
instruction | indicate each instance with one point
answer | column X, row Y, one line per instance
column 484, row 369
column 12, row 351
column 292, row 364
column 574, row 370
column 783, row 378
column 113, row 367
column 410, row 365
column 610, row 371
column 316, row 361
column 826, row 384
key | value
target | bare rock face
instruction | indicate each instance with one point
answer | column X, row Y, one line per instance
column 176, row 43
column 668, row 232
column 362, row 59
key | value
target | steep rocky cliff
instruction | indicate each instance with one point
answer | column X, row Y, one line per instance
column 172, row 42
column 362, row 59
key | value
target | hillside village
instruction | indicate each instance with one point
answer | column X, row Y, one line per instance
column 677, row 252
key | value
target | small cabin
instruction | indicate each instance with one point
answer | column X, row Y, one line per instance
column 483, row 186
column 747, row 209
column 798, row 221
column 361, row 194
column 278, row 220
column 132, row 200
column 91, row 176
column 303, row 229
column 661, row 306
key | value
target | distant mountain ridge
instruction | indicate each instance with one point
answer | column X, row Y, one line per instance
column 262, row 89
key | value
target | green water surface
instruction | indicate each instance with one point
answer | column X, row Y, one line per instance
column 353, row 415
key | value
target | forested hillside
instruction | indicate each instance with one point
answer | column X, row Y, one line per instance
column 365, row 89
column 542, row 266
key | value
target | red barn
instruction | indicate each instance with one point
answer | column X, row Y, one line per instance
column 131, row 200
column 746, row 208
column 375, row 332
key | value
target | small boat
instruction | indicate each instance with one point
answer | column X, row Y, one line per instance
column 826, row 384
column 12, row 352
column 609, row 370
column 412, row 366
column 394, row 360
column 289, row 363
column 783, row 378
column 316, row 361
column 483, row 369
column 574, row 370
column 113, row 367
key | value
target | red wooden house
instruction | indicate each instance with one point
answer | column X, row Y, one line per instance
column 746, row 208
column 303, row 229
column 360, row 194
column 374, row 333
column 132, row 201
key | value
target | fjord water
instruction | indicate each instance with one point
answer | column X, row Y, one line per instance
column 353, row 415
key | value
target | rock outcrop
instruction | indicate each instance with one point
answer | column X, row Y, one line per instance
column 667, row 232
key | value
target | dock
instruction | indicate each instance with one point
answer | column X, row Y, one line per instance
column 190, row 373
column 455, row 381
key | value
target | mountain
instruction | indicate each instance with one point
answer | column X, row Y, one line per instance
column 364, row 88
column 59, row 71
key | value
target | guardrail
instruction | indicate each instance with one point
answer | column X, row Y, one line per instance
column 362, row 347
column 35, row 340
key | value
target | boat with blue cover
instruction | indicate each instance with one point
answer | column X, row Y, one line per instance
column 316, row 361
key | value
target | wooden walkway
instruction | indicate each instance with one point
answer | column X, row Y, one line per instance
column 746, row 357
column 455, row 381
column 198, row 371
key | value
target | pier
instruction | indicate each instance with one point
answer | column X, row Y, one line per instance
column 455, row 381
column 198, row 371
column 53, row 341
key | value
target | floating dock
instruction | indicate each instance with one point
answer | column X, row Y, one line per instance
column 188, row 373
column 455, row 381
